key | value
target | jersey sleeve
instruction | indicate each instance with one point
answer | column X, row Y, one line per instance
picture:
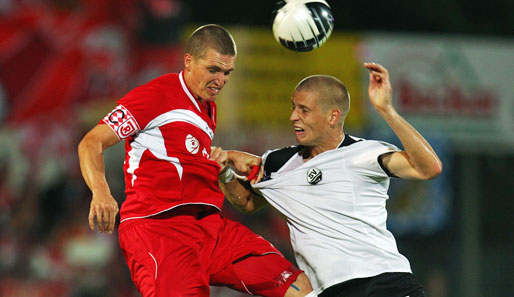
column 121, row 121
column 368, row 162
column 266, row 168
column 132, row 113
column 273, row 160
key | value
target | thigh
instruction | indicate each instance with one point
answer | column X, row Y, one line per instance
column 247, row 262
column 164, row 260
column 263, row 275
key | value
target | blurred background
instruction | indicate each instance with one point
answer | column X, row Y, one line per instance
column 64, row 63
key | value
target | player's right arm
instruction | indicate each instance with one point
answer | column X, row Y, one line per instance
column 418, row 160
column 103, row 205
column 238, row 190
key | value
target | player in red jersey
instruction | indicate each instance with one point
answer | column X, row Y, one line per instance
column 171, row 232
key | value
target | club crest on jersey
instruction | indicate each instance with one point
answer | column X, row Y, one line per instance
column 122, row 122
column 192, row 144
column 314, row 175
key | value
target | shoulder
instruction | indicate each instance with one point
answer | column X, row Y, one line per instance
column 274, row 160
column 365, row 144
column 366, row 156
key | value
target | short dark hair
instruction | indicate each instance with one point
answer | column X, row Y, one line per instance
column 332, row 93
column 211, row 36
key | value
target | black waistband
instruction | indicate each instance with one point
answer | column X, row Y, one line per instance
column 197, row 210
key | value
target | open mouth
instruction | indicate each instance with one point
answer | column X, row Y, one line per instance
column 298, row 130
column 214, row 90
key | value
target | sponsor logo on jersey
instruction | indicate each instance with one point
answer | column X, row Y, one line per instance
column 192, row 144
column 314, row 175
column 205, row 153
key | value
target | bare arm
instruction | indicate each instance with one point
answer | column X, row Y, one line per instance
column 418, row 161
column 103, row 206
column 238, row 190
column 238, row 193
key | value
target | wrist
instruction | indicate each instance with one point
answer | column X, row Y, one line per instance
column 226, row 175
column 387, row 111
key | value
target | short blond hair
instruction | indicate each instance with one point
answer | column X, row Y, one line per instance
column 211, row 36
column 332, row 93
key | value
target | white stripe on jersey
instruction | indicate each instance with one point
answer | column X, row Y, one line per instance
column 151, row 138
column 186, row 90
column 180, row 115
column 154, row 142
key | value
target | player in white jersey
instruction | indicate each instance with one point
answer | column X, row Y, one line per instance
column 332, row 189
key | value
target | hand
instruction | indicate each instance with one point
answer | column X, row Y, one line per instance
column 219, row 156
column 105, row 209
column 245, row 162
column 379, row 91
column 259, row 175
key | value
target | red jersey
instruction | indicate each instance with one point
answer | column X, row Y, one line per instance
column 168, row 142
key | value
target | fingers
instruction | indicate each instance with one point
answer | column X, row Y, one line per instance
column 112, row 220
column 375, row 67
column 259, row 176
column 215, row 151
column 105, row 214
column 377, row 71
column 254, row 173
column 99, row 219
column 219, row 156
column 91, row 218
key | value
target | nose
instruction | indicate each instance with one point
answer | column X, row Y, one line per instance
column 221, row 79
column 294, row 115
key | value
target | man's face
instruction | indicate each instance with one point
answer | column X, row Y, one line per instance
column 206, row 76
column 310, row 122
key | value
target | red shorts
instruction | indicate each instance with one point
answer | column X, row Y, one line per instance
column 185, row 250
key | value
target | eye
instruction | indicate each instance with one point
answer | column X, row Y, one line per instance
column 212, row 71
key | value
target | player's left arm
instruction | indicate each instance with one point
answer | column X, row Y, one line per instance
column 237, row 189
column 418, row 160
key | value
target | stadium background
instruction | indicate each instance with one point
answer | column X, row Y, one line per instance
column 64, row 63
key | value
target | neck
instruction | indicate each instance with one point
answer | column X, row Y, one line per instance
column 332, row 142
column 186, row 76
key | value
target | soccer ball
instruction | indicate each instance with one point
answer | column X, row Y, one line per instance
column 303, row 25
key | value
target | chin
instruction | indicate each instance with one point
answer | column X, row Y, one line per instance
column 300, row 142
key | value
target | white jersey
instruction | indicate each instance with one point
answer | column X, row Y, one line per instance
column 335, row 205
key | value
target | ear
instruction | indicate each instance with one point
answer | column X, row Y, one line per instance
column 188, row 60
column 335, row 115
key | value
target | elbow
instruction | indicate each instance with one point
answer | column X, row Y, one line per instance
column 250, row 211
column 434, row 171
column 247, row 208
column 82, row 145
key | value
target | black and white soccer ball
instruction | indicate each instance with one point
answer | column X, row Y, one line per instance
column 303, row 25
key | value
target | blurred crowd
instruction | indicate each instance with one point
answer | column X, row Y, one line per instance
column 63, row 63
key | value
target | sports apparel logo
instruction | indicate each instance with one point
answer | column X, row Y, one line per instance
column 192, row 144
column 314, row 176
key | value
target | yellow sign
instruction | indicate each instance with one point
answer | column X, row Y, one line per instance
column 259, row 92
